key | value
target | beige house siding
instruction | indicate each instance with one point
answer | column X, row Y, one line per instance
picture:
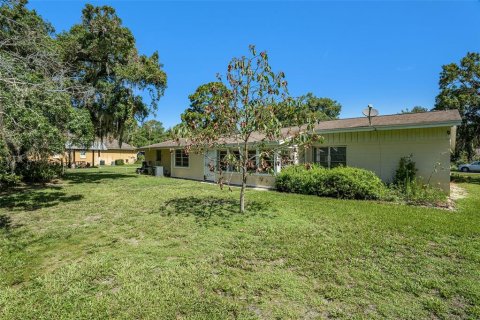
column 253, row 180
column 380, row 151
column 109, row 156
column 195, row 170
column 93, row 157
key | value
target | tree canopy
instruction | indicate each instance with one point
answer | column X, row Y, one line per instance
column 460, row 89
column 319, row 108
column 149, row 132
column 204, row 98
column 36, row 115
column 103, row 55
column 416, row 109
column 84, row 83
column 324, row 108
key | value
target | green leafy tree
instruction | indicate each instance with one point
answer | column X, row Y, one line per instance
column 460, row 89
column 103, row 55
column 320, row 108
column 244, row 116
column 150, row 132
column 36, row 115
column 416, row 109
column 204, row 98
column 325, row 108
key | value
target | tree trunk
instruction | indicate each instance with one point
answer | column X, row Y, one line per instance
column 242, row 191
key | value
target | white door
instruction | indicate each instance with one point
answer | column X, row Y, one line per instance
column 210, row 165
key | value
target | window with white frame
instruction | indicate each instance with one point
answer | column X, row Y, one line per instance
column 83, row 154
column 330, row 157
column 181, row 158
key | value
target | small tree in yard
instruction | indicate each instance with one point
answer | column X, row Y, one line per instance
column 242, row 114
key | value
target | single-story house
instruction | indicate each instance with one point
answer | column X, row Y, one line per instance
column 99, row 153
column 377, row 146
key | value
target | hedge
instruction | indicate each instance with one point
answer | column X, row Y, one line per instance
column 340, row 182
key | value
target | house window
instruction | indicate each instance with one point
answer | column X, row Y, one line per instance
column 83, row 154
column 181, row 158
column 159, row 155
column 330, row 157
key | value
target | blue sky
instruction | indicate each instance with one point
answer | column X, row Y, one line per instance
column 388, row 54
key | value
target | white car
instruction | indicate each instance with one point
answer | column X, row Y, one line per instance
column 474, row 166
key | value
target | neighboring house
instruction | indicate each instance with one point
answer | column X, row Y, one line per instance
column 378, row 147
column 100, row 152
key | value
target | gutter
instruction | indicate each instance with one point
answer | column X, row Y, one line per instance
column 393, row 127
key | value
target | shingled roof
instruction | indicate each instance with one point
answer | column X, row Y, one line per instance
column 387, row 122
column 106, row 144
column 423, row 119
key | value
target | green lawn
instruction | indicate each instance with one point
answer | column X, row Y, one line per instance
column 106, row 243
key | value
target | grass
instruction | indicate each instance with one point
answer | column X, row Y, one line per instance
column 106, row 243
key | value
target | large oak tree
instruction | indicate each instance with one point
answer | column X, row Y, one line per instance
column 102, row 54
column 36, row 116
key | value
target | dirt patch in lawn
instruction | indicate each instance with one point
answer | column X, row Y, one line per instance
column 456, row 193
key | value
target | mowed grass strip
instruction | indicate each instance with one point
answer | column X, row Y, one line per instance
column 106, row 243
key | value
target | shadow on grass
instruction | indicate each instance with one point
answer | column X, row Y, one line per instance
column 465, row 178
column 5, row 222
column 94, row 177
column 34, row 198
column 214, row 210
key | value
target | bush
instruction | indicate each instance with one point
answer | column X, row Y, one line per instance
column 420, row 194
column 140, row 158
column 405, row 172
column 8, row 180
column 39, row 171
column 119, row 162
column 340, row 182
column 408, row 188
